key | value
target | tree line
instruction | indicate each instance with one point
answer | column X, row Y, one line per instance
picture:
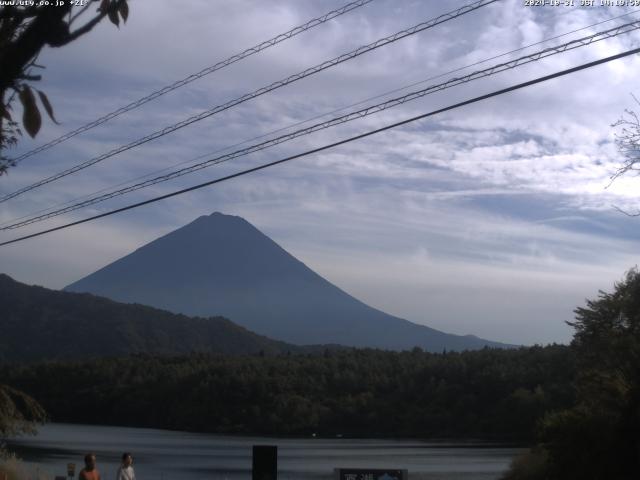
column 490, row 393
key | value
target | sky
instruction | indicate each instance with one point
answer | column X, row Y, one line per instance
column 496, row 219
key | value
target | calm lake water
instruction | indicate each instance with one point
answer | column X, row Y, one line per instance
column 167, row 455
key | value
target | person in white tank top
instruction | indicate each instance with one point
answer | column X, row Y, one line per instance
column 125, row 471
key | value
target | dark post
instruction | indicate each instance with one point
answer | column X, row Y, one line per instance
column 265, row 462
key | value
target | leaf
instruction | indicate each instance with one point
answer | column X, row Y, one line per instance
column 4, row 112
column 124, row 11
column 104, row 5
column 113, row 16
column 31, row 118
column 47, row 106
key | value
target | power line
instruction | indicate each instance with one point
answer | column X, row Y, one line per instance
column 370, row 110
column 281, row 83
column 180, row 83
column 335, row 144
column 469, row 66
column 55, row 208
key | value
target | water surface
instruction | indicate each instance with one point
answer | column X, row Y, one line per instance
column 168, row 455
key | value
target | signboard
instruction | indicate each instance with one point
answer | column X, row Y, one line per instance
column 371, row 474
column 265, row 462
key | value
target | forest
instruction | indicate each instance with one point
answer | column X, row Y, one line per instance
column 488, row 393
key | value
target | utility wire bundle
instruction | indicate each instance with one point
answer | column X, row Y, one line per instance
column 259, row 92
column 337, row 120
column 195, row 76
column 524, row 60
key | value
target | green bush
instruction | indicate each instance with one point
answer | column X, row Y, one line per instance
column 12, row 468
column 532, row 465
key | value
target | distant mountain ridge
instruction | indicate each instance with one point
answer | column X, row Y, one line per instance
column 41, row 324
column 222, row 265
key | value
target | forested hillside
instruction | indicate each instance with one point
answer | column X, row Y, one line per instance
column 37, row 323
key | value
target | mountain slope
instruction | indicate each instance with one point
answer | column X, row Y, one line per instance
column 222, row 265
column 37, row 323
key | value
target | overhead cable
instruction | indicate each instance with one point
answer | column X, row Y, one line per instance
column 581, row 42
column 316, row 117
column 335, row 144
column 180, row 83
column 261, row 91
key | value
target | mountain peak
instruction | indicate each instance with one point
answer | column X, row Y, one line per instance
column 218, row 216
column 221, row 220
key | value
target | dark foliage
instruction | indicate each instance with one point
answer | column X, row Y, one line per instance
column 486, row 393
column 599, row 436
column 19, row 413
column 25, row 29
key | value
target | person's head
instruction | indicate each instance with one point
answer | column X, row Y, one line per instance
column 90, row 461
column 127, row 459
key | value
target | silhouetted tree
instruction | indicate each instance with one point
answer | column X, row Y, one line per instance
column 599, row 437
column 24, row 31
column 19, row 413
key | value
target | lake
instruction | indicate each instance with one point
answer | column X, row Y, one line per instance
column 168, row 455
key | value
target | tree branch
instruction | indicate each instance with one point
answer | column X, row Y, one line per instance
column 46, row 25
column 82, row 10
column 87, row 27
column 33, row 78
column 628, row 214
column 11, row 12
